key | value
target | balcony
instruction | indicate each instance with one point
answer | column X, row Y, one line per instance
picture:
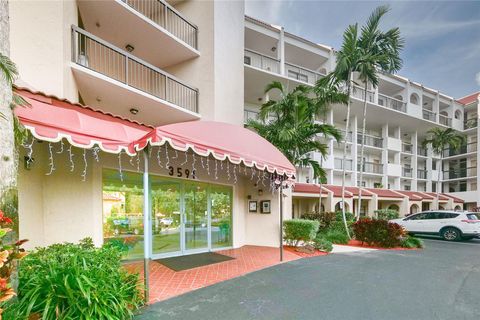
column 421, row 151
column 392, row 103
column 407, row 147
column 167, row 37
column 302, row 74
column 359, row 93
column 372, row 141
column 407, row 172
column 348, row 137
column 338, row 164
column 429, row 115
column 254, row 115
column 421, row 174
column 116, row 81
column 470, row 123
column 445, row 120
column 371, row 167
column 458, row 173
column 467, row 148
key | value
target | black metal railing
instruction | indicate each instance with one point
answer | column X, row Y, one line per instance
column 370, row 140
column 467, row 148
column 456, row 173
column 371, row 167
column 421, row 174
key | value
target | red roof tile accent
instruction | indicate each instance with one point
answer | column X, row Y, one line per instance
column 308, row 188
column 386, row 193
column 356, row 191
column 455, row 199
column 415, row 196
column 434, row 195
column 469, row 99
column 337, row 190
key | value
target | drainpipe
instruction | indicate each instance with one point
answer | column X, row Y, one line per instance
column 146, row 227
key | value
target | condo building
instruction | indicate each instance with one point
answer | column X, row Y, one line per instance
column 132, row 66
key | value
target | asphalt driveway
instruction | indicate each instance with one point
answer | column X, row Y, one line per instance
column 439, row 282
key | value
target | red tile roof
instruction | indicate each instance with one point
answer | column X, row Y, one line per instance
column 308, row 188
column 415, row 196
column 337, row 190
column 356, row 191
column 385, row 193
column 455, row 199
column 442, row 197
column 469, row 99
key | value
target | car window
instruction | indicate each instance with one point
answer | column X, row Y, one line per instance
column 420, row 216
column 450, row 215
column 435, row 215
column 473, row 216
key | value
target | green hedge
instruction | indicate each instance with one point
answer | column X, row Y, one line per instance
column 322, row 244
column 297, row 230
column 386, row 214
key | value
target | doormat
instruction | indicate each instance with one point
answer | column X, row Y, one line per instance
column 193, row 261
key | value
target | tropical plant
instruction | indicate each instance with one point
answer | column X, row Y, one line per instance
column 386, row 214
column 289, row 124
column 412, row 242
column 297, row 230
column 439, row 140
column 379, row 232
column 76, row 281
column 322, row 244
column 380, row 52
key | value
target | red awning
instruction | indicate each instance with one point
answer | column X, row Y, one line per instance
column 222, row 141
column 51, row 119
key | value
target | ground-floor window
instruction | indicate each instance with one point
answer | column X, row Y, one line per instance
column 187, row 216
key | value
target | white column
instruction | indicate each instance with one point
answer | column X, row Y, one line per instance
column 414, row 160
column 436, row 107
column 429, row 166
column 281, row 51
column 385, row 155
column 354, row 151
column 146, row 224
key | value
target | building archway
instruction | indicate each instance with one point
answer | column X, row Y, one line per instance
column 338, row 206
column 458, row 114
column 414, row 208
column 414, row 99
column 394, row 207
column 458, row 208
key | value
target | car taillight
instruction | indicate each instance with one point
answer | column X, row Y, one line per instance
column 471, row 221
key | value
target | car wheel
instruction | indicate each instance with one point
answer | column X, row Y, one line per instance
column 451, row 234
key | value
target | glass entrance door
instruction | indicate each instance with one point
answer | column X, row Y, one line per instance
column 196, row 224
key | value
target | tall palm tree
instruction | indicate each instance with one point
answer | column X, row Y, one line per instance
column 439, row 140
column 380, row 52
column 289, row 124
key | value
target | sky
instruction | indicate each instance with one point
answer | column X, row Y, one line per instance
column 442, row 38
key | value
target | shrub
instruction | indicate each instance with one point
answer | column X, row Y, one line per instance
column 348, row 215
column 378, row 232
column 297, row 230
column 335, row 236
column 75, row 281
column 322, row 244
column 325, row 218
column 386, row 214
column 411, row 242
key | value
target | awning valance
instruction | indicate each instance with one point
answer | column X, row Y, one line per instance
column 51, row 119
column 222, row 141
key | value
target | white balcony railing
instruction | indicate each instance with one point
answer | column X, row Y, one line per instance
column 100, row 56
column 167, row 17
column 359, row 93
column 372, row 141
column 407, row 147
column 371, row 167
column 261, row 61
column 254, row 115
column 392, row 103
column 302, row 74
column 338, row 164
column 445, row 120
column 429, row 115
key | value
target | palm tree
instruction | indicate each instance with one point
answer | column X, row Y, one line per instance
column 380, row 52
column 289, row 124
column 440, row 140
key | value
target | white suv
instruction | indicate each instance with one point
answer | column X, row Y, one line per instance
column 450, row 225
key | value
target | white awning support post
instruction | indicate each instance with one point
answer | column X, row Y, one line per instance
column 281, row 221
column 146, row 226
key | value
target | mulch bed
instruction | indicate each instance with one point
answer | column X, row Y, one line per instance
column 358, row 243
column 305, row 255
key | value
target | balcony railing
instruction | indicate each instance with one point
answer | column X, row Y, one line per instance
column 371, row 167
column 261, row 61
column 470, row 123
column 445, row 120
column 421, row 174
column 348, row 137
column 467, row 148
column 456, row 173
column 303, row 74
column 337, row 164
column 164, row 15
column 98, row 55
column 369, row 140
column 421, row 151
column 429, row 115
column 407, row 172
column 407, row 147
column 359, row 93
column 254, row 115
column 392, row 103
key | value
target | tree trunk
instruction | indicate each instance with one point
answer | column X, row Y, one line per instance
column 344, row 171
column 362, row 147
column 438, row 180
column 8, row 155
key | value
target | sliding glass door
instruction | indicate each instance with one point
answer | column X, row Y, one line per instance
column 196, row 216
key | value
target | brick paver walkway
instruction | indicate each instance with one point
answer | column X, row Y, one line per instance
column 166, row 283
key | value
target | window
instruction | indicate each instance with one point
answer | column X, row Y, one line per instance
column 414, row 98
column 473, row 216
column 247, row 60
column 458, row 114
column 408, row 188
column 441, row 215
column 420, row 216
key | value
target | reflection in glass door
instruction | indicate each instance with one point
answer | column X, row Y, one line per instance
column 166, row 215
column 196, row 216
column 221, row 216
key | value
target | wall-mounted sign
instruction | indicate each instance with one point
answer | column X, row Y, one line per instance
column 252, row 206
column 265, row 206
column 180, row 172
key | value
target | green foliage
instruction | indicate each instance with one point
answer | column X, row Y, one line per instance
column 335, row 235
column 412, row 242
column 348, row 215
column 76, row 281
column 378, row 232
column 325, row 218
column 297, row 230
column 441, row 139
column 322, row 244
column 386, row 214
